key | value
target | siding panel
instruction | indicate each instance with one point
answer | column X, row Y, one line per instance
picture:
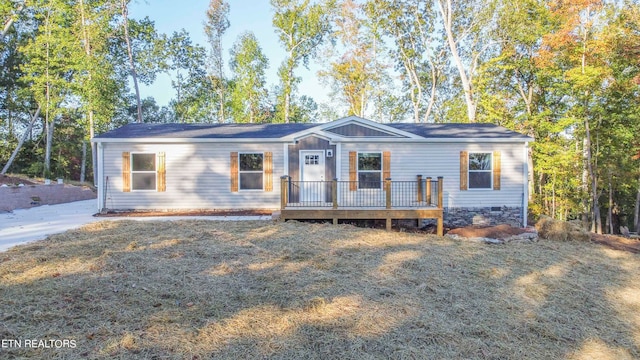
column 444, row 160
column 197, row 177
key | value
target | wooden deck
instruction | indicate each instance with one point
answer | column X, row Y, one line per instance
column 420, row 205
column 301, row 213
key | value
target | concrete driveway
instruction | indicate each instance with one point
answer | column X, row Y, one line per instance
column 26, row 225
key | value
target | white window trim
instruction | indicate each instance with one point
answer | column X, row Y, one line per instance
column 381, row 171
column 478, row 171
column 240, row 189
column 143, row 172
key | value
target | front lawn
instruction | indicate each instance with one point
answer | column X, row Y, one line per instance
column 236, row 290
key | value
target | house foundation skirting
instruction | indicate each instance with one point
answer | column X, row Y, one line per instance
column 488, row 216
column 482, row 216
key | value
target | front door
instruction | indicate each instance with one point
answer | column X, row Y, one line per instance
column 312, row 175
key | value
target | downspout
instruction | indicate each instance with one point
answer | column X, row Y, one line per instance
column 99, row 175
column 338, row 157
column 285, row 166
column 525, row 184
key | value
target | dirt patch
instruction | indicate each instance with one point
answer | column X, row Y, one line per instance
column 617, row 242
column 14, row 180
column 500, row 232
column 150, row 213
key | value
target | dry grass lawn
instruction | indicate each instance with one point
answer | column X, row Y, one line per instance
column 238, row 290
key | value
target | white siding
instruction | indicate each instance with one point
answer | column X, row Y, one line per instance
column 197, row 177
column 443, row 159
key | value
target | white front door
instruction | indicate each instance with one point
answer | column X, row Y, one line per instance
column 312, row 175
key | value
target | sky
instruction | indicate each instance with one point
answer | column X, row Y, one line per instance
column 244, row 15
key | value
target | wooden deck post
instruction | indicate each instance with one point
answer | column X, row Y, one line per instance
column 428, row 190
column 284, row 191
column 419, row 197
column 334, row 193
column 440, row 227
column 387, row 189
column 440, row 192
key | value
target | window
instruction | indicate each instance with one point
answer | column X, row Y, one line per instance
column 251, row 171
column 311, row 160
column 480, row 170
column 370, row 170
column 143, row 171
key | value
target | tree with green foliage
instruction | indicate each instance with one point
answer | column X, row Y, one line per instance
column 301, row 27
column 10, row 11
column 186, row 63
column 96, row 81
column 304, row 110
column 467, row 26
column 124, row 7
column 216, row 25
column 52, row 55
column 357, row 74
column 410, row 25
column 248, row 64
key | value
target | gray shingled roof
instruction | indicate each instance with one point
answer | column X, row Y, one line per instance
column 206, row 131
column 274, row 131
column 460, row 131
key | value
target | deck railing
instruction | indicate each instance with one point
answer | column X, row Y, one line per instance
column 389, row 194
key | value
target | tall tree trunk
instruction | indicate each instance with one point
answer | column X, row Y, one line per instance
column 597, row 221
column 415, row 85
column 222, row 86
column 94, row 156
column 415, row 90
column 530, row 171
column 132, row 66
column 48, row 125
column 94, row 153
column 636, row 215
column 553, row 197
column 47, row 154
column 432, row 96
column 83, row 164
column 584, row 186
column 447, row 13
column 527, row 97
column 610, row 212
column 10, row 21
column 23, row 138
column 288, row 87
